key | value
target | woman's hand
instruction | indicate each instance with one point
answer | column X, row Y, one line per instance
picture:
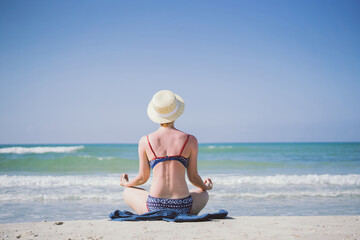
column 208, row 184
column 124, row 179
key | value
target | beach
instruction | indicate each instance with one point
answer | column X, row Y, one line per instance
column 243, row 227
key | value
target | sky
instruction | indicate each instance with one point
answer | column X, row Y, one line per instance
column 248, row 71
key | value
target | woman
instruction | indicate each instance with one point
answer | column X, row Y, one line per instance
column 169, row 152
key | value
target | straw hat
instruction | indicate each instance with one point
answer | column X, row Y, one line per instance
column 165, row 107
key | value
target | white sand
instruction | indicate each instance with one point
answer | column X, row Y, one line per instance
column 317, row 227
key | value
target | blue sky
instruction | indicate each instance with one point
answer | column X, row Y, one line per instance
column 249, row 71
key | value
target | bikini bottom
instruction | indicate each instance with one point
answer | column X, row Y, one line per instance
column 182, row 205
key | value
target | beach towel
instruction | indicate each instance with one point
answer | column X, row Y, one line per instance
column 166, row 215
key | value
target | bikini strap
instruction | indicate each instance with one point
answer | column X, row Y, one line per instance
column 147, row 136
column 187, row 139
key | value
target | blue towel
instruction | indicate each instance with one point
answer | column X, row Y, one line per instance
column 166, row 215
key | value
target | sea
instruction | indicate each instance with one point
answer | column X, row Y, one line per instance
column 81, row 181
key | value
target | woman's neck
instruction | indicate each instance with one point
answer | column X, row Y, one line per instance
column 169, row 125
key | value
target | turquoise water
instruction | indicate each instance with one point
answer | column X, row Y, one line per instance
column 249, row 179
column 255, row 158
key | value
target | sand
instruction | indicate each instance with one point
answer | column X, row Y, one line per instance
column 293, row 227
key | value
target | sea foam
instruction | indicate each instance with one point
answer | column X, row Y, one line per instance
column 310, row 179
column 351, row 180
column 22, row 150
column 290, row 194
column 104, row 188
column 57, row 181
column 106, row 196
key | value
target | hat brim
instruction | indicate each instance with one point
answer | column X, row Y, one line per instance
column 155, row 118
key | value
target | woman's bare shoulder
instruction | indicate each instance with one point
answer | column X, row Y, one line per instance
column 192, row 140
column 150, row 135
column 141, row 141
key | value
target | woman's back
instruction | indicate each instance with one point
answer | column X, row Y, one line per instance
column 168, row 173
column 167, row 142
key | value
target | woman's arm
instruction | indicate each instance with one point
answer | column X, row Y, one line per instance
column 144, row 168
column 192, row 172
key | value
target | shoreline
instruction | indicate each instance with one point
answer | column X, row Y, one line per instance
column 238, row 227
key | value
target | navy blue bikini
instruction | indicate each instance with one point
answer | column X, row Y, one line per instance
column 181, row 205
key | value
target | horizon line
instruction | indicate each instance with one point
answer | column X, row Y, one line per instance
column 253, row 142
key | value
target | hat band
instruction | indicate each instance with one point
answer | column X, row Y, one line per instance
column 165, row 115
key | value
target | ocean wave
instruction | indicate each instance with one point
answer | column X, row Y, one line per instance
column 22, row 150
column 103, row 197
column 352, row 180
column 98, row 158
column 105, row 188
column 56, row 181
column 106, row 195
column 289, row 194
column 310, row 179
column 60, row 181
column 221, row 147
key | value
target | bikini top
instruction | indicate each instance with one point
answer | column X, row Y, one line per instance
column 184, row 161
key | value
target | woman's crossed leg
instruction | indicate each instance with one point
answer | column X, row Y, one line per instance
column 136, row 198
